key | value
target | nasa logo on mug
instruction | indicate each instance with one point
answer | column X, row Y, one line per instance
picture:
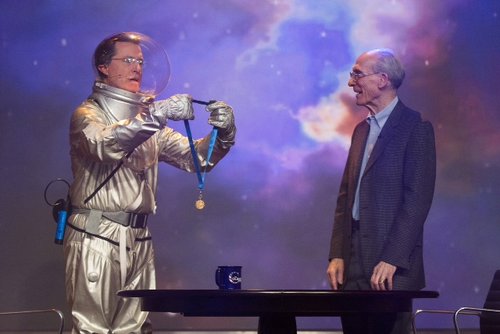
column 228, row 277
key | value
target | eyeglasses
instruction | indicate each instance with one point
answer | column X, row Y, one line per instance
column 131, row 60
column 357, row 76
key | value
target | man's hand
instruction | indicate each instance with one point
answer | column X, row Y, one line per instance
column 335, row 273
column 221, row 115
column 382, row 276
column 176, row 108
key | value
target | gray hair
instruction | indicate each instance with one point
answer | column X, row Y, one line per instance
column 388, row 63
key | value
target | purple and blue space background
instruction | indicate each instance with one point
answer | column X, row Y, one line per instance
column 283, row 66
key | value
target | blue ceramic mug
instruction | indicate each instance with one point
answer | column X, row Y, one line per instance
column 228, row 277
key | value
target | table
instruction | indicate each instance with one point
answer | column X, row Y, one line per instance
column 276, row 309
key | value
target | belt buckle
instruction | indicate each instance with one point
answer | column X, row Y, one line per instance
column 138, row 220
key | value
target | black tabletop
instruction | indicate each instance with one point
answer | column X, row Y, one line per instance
column 274, row 302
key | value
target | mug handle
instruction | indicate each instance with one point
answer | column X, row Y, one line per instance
column 217, row 277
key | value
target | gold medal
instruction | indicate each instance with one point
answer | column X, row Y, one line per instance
column 199, row 204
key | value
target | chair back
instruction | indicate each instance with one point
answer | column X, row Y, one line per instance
column 489, row 323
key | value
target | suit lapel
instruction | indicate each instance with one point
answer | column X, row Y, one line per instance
column 386, row 134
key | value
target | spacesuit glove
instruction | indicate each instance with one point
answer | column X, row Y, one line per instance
column 222, row 117
column 176, row 108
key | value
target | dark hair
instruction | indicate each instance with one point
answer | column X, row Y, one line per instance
column 106, row 49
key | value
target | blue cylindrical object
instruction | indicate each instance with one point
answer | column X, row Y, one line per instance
column 61, row 226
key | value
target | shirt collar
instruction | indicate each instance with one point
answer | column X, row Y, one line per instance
column 381, row 117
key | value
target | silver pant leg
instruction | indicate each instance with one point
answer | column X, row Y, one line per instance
column 93, row 279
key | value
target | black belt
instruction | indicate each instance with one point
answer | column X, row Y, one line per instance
column 138, row 220
column 134, row 220
column 355, row 225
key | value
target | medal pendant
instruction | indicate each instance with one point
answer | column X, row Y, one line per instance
column 199, row 204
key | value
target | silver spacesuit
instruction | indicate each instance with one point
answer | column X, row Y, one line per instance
column 107, row 245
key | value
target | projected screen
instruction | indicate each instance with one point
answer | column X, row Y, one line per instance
column 283, row 66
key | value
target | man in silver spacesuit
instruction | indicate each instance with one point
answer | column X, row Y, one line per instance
column 117, row 137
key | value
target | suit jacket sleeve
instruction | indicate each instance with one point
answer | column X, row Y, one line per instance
column 339, row 225
column 339, row 244
column 418, row 189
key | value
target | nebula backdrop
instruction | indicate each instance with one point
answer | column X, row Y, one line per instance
column 283, row 66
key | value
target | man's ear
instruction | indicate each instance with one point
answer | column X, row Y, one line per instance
column 103, row 69
column 384, row 81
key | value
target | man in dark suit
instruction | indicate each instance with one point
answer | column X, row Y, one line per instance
column 385, row 195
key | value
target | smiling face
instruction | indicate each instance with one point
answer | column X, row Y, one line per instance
column 373, row 89
column 366, row 85
column 121, row 72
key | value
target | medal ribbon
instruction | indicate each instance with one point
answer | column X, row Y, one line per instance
column 201, row 177
column 213, row 136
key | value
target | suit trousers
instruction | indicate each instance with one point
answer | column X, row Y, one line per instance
column 369, row 323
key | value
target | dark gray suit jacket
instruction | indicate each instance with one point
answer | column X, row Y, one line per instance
column 396, row 192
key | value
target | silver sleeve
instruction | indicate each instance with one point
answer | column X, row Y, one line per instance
column 95, row 137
